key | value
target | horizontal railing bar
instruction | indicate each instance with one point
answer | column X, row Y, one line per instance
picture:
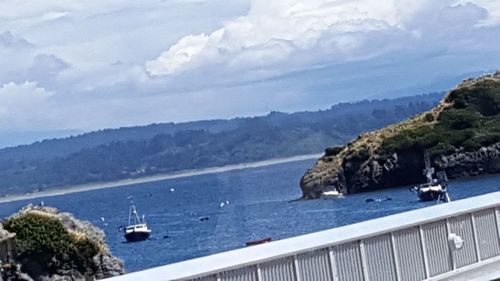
column 319, row 240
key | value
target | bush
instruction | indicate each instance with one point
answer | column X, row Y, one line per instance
column 487, row 139
column 459, row 119
column 442, row 149
column 44, row 246
column 429, row 117
column 457, row 138
column 473, row 121
column 471, row 145
column 332, row 151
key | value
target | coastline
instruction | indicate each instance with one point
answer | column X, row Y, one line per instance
column 160, row 177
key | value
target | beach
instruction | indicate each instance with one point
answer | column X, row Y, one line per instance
column 159, row 177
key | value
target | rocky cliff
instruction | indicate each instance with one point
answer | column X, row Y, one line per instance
column 462, row 134
column 51, row 245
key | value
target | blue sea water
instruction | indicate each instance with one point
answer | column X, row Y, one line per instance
column 258, row 207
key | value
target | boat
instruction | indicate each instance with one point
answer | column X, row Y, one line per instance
column 137, row 228
column 257, row 242
column 332, row 194
column 435, row 189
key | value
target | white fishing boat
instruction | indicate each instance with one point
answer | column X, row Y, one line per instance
column 435, row 188
column 137, row 228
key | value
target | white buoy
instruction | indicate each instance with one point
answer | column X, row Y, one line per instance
column 222, row 204
column 227, row 202
column 102, row 219
column 172, row 189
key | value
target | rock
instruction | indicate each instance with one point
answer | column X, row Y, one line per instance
column 108, row 266
column 104, row 264
column 14, row 273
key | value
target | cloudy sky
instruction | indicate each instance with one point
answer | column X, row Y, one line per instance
column 74, row 65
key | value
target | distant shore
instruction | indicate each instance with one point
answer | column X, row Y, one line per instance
column 160, row 177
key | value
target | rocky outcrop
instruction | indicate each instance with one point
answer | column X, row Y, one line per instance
column 467, row 164
column 462, row 134
column 101, row 264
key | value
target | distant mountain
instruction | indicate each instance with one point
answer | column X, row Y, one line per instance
column 10, row 138
column 133, row 152
column 461, row 134
column 61, row 147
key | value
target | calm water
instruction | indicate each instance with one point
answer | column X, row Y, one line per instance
column 259, row 207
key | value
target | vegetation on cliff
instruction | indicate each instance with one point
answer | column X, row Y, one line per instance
column 44, row 246
column 55, row 246
column 468, row 119
column 461, row 133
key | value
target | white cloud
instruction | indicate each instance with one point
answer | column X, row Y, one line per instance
column 187, row 49
column 272, row 31
column 93, row 37
column 111, row 63
column 280, row 36
column 42, row 10
column 22, row 105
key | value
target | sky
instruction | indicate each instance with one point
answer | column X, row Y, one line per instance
column 73, row 65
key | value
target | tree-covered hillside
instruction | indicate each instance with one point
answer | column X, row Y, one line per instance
column 142, row 151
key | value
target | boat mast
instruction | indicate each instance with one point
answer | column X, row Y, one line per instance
column 428, row 171
column 133, row 213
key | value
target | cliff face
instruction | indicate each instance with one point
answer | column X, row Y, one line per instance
column 462, row 135
column 50, row 245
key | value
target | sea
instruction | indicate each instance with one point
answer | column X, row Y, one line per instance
column 238, row 206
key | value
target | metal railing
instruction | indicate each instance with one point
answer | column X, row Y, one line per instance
column 422, row 244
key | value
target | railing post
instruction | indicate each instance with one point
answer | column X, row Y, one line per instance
column 333, row 265
column 395, row 256
column 476, row 239
column 497, row 222
column 450, row 251
column 296, row 268
column 364, row 263
column 259, row 273
column 424, row 252
column 217, row 276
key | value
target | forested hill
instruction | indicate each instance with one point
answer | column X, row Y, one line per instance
column 134, row 152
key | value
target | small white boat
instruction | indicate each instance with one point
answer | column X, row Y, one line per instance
column 332, row 194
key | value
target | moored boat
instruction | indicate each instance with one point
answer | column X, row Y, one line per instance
column 257, row 242
column 137, row 228
column 436, row 189
column 332, row 194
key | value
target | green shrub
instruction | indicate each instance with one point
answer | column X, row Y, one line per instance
column 483, row 97
column 457, row 138
column 471, row 145
column 443, row 148
column 44, row 245
column 473, row 121
column 487, row 139
column 459, row 119
column 332, row 151
column 429, row 117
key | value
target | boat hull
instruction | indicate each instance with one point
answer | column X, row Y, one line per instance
column 136, row 236
column 257, row 242
column 430, row 196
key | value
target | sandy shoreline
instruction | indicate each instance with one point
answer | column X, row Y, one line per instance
column 174, row 175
